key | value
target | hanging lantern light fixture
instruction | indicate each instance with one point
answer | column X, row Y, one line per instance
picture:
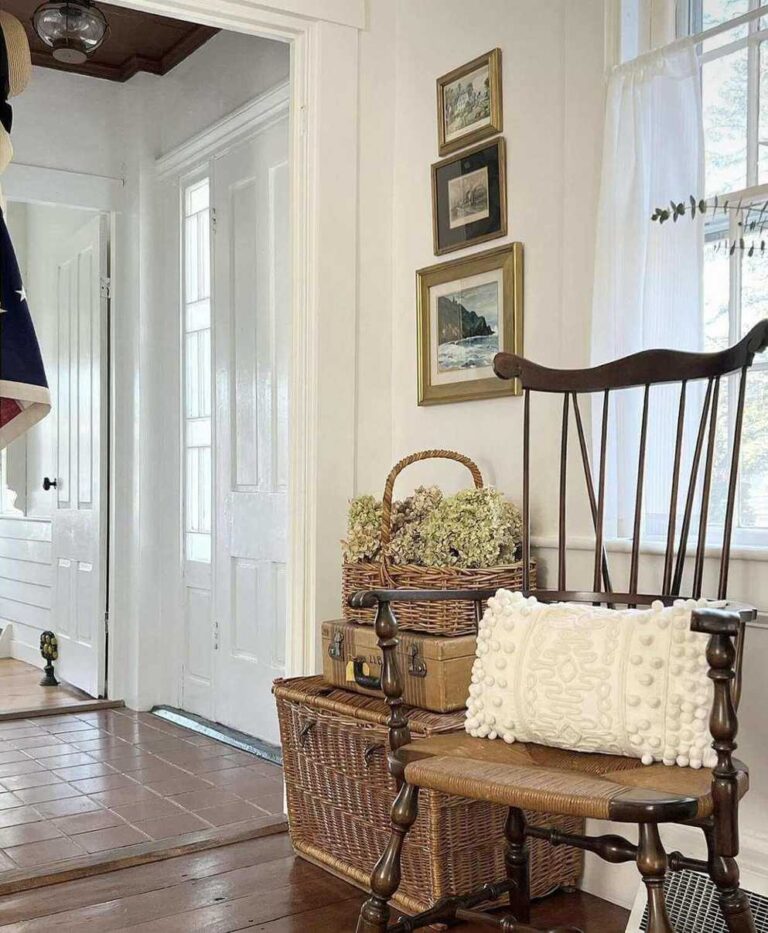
column 74, row 29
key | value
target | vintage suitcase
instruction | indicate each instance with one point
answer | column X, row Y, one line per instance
column 436, row 669
column 340, row 792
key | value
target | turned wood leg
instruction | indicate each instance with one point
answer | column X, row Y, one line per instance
column 385, row 880
column 724, row 872
column 516, row 859
column 652, row 862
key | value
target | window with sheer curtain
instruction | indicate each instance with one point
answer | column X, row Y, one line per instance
column 689, row 117
column 734, row 88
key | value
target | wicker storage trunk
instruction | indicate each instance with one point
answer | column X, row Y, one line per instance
column 339, row 795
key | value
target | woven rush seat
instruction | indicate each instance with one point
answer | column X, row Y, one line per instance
column 540, row 778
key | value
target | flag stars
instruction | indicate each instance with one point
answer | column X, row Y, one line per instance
column 22, row 293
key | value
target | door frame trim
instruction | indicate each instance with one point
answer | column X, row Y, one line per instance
column 324, row 40
column 234, row 128
column 100, row 195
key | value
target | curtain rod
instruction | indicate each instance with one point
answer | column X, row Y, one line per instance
column 731, row 24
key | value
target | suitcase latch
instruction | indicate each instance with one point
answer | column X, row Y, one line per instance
column 334, row 648
column 417, row 666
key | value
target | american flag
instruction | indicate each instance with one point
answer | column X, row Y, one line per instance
column 24, row 395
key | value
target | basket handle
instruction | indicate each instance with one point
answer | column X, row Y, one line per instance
column 389, row 486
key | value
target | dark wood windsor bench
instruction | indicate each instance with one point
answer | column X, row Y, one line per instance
column 645, row 795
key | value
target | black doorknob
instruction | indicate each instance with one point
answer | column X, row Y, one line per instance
column 47, row 483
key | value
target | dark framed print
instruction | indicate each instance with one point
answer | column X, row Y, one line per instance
column 469, row 103
column 469, row 309
column 469, row 197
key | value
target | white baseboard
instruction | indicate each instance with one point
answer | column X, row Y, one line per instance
column 22, row 651
column 6, row 636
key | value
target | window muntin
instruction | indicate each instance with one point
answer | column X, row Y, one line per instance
column 197, row 372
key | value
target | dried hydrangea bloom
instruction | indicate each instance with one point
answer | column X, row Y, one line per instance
column 363, row 541
column 474, row 528
column 407, row 543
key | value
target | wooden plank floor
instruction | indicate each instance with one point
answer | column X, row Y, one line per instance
column 22, row 695
column 257, row 884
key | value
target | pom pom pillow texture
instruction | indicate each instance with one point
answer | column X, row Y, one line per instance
column 627, row 682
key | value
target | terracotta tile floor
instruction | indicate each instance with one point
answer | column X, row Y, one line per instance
column 83, row 783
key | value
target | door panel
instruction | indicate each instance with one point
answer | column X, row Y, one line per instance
column 79, row 518
column 252, row 355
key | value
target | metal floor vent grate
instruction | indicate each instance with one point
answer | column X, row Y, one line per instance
column 693, row 906
column 215, row 730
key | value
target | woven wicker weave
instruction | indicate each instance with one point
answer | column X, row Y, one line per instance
column 438, row 618
column 340, row 792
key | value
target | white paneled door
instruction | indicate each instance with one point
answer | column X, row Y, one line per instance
column 79, row 525
column 236, row 311
column 252, row 339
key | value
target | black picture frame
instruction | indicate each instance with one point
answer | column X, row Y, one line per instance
column 482, row 195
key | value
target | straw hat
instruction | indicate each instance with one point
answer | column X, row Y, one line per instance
column 6, row 149
column 17, row 48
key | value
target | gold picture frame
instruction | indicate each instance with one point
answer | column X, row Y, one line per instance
column 490, row 157
column 462, row 305
column 458, row 121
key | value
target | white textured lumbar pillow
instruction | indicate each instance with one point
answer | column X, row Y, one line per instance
column 622, row 682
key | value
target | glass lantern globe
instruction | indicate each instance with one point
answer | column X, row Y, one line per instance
column 74, row 29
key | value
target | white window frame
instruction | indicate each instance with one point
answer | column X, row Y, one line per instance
column 188, row 181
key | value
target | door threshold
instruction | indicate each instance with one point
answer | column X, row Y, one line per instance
column 100, row 863
column 215, row 730
column 77, row 706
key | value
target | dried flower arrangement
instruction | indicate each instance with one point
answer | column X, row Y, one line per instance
column 474, row 528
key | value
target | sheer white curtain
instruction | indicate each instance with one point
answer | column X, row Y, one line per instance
column 648, row 277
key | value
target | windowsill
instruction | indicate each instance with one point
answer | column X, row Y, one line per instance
column 745, row 552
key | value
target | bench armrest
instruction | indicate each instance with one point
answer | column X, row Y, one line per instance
column 367, row 599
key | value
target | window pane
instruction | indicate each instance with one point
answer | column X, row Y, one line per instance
column 714, row 12
column 762, row 119
column 716, row 294
column 753, row 511
column 754, row 282
column 198, row 547
column 196, row 197
column 724, row 92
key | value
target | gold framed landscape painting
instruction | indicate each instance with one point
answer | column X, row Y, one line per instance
column 469, row 103
column 469, row 309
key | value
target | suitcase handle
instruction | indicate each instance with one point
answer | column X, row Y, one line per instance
column 367, row 681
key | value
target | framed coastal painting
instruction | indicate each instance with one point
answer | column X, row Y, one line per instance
column 469, row 309
column 469, row 197
column 469, row 103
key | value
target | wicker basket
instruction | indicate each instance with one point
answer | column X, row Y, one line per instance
column 437, row 618
column 340, row 792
